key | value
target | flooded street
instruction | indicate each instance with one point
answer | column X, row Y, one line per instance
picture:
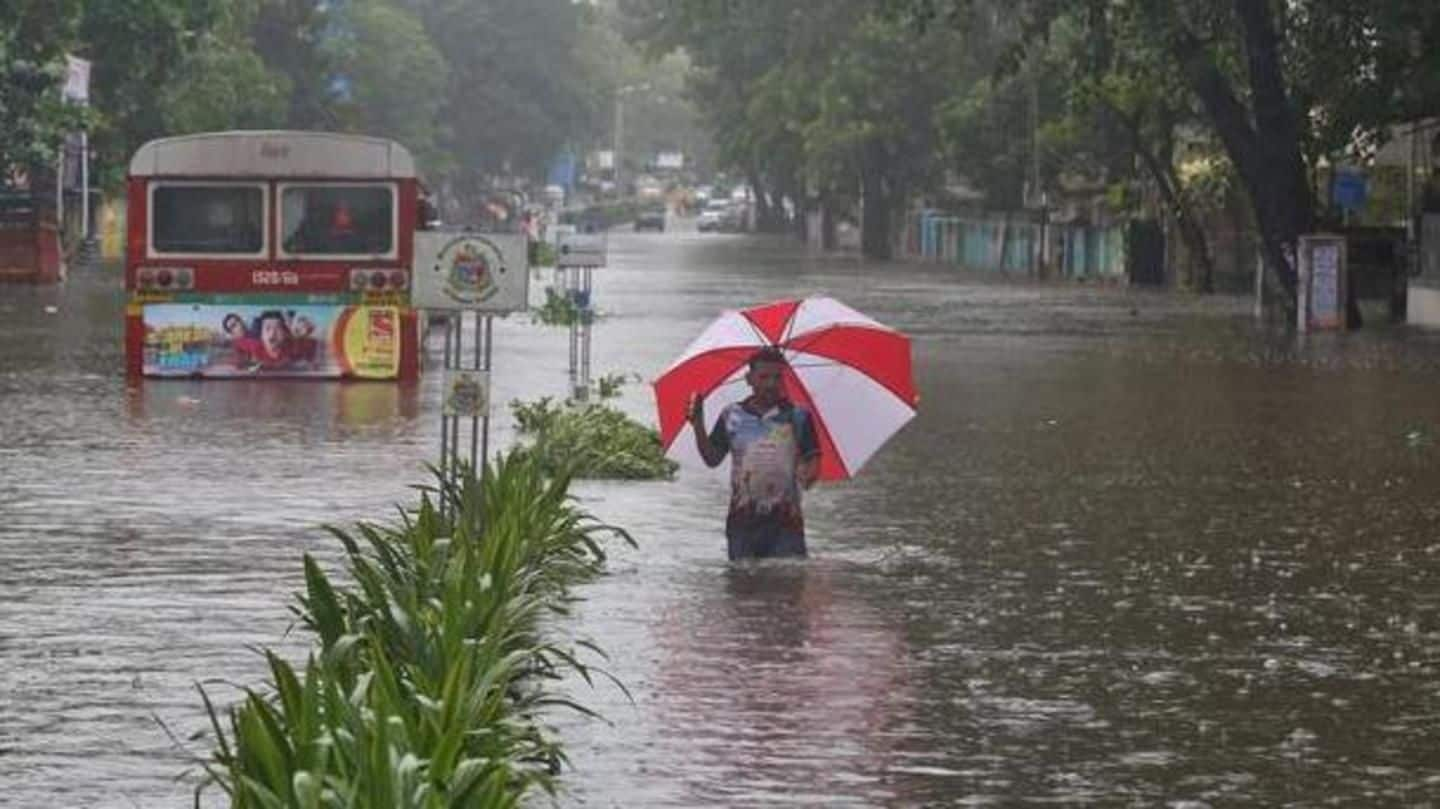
column 1133, row 551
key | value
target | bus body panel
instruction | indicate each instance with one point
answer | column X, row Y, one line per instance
column 251, row 287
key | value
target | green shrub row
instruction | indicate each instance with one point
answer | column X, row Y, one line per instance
column 431, row 679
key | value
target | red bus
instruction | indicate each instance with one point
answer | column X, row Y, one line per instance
column 285, row 254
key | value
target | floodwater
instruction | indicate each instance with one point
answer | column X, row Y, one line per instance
column 1133, row 551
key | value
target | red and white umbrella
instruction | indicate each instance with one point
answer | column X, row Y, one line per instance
column 852, row 373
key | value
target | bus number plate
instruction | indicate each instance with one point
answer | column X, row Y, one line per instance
column 275, row 278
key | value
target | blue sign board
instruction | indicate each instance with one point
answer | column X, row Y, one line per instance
column 562, row 170
column 1349, row 190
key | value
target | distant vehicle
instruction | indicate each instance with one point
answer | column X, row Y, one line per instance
column 703, row 193
column 651, row 220
column 554, row 195
column 649, row 188
column 740, row 194
column 713, row 216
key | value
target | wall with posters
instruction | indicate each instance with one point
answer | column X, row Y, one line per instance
column 327, row 341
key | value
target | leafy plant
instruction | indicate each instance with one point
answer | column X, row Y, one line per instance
column 563, row 308
column 431, row 675
column 591, row 439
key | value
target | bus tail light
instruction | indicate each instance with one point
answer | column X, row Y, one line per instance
column 363, row 280
column 165, row 279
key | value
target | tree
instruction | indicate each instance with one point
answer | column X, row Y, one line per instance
column 1277, row 83
column 808, row 97
column 223, row 83
column 137, row 48
column 34, row 38
column 290, row 36
column 394, row 79
column 516, row 92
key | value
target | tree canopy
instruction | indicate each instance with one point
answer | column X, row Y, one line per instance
column 476, row 88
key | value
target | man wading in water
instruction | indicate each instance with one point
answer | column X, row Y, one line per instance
column 773, row 456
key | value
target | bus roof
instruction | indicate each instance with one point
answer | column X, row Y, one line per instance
column 274, row 155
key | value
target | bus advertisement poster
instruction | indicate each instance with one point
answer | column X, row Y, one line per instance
column 300, row 340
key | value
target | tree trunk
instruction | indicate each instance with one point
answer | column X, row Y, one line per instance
column 761, row 211
column 1266, row 154
column 829, row 239
column 874, row 205
column 1163, row 173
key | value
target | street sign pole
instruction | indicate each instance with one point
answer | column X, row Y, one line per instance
column 578, row 256
column 470, row 277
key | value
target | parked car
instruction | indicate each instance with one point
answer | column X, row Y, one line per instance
column 651, row 220
column 712, row 216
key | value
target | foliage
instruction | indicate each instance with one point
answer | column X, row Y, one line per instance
column 478, row 89
column 431, row 675
column 591, row 439
column 393, row 79
column 560, row 309
column 138, row 48
column 1280, row 87
column 542, row 254
column 291, row 36
column 516, row 93
column 35, row 35
column 223, row 83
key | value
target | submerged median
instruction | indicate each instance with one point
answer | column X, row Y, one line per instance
column 430, row 676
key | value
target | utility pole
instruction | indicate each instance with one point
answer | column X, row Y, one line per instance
column 618, row 134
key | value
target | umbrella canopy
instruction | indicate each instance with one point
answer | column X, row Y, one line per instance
column 852, row 373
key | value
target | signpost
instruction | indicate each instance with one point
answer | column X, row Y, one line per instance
column 1322, row 284
column 578, row 255
column 77, row 91
column 468, row 276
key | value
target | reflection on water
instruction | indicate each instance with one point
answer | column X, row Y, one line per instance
column 1132, row 551
column 793, row 680
column 346, row 406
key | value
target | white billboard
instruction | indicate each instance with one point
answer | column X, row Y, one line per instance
column 670, row 160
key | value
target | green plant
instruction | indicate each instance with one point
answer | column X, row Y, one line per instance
column 543, row 255
column 561, row 309
column 432, row 676
column 591, row 439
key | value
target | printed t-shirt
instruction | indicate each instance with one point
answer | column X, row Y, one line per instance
column 765, row 448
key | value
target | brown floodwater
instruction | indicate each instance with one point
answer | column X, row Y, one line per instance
column 1135, row 550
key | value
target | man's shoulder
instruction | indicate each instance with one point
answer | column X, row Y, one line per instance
column 799, row 412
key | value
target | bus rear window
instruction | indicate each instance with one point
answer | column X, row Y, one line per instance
column 328, row 220
column 207, row 219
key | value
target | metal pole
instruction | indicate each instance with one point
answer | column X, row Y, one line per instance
column 84, row 185
column 587, row 320
column 477, row 462
column 444, row 420
column 571, row 280
column 457, row 353
column 619, row 129
column 485, row 418
column 60, row 200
